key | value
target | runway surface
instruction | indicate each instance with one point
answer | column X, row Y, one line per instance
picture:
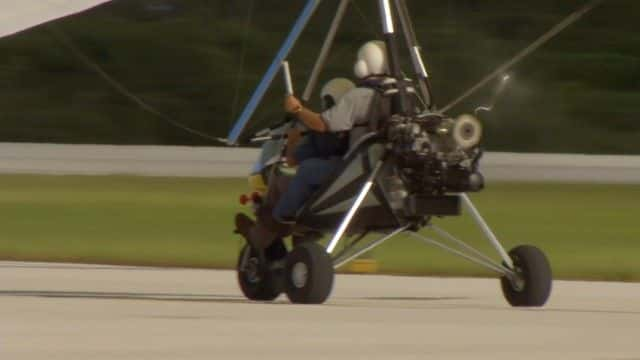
column 188, row 161
column 101, row 312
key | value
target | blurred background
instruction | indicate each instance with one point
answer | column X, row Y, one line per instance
column 197, row 62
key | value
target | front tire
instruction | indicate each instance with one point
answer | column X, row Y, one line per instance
column 309, row 274
column 534, row 279
column 257, row 280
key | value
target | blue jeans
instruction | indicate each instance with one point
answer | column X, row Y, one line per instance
column 311, row 174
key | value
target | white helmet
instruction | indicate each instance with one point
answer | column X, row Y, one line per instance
column 334, row 90
column 372, row 60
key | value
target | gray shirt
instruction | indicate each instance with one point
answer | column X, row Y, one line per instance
column 351, row 110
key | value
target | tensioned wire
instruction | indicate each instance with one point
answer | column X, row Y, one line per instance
column 120, row 88
column 243, row 54
column 568, row 21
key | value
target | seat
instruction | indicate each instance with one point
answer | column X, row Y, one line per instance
column 327, row 206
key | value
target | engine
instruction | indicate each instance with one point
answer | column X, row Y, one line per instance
column 435, row 154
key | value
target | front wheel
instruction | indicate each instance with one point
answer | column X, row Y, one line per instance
column 309, row 274
column 532, row 285
column 257, row 280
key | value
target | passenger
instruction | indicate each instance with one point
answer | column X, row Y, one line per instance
column 321, row 145
column 320, row 158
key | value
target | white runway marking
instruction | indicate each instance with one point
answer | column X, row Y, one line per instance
column 84, row 312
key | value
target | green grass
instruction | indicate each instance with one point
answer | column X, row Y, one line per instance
column 124, row 220
column 588, row 231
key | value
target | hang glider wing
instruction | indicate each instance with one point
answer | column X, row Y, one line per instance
column 18, row 15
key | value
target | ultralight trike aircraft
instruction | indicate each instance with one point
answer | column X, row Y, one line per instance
column 415, row 166
column 405, row 171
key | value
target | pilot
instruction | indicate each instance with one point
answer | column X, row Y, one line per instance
column 319, row 159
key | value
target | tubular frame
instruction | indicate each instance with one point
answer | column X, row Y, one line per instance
column 325, row 50
column 354, row 208
column 268, row 77
column 486, row 230
column 342, row 260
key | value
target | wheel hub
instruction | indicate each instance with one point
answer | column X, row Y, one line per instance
column 299, row 275
column 517, row 281
column 252, row 271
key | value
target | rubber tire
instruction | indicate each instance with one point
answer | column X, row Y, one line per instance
column 320, row 274
column 534, row 269
column 268, row 288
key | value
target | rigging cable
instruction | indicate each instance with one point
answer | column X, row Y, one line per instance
column 569, row 20
column 338, row 53
column 372, row 29
column 243, row 54
column 64, row 40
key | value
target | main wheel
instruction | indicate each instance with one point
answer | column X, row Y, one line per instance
column 533, row 284
column 308, row 274
column 257, row 280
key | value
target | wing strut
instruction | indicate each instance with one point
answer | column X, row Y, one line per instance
column 324, row 52
column 268, row 77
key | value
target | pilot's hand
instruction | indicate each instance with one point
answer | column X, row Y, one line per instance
column 292, row 105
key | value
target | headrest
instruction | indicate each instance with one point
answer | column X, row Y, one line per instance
column 334, row 90
column 371, row 60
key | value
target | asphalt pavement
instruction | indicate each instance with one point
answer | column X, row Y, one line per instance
column 62, row 311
